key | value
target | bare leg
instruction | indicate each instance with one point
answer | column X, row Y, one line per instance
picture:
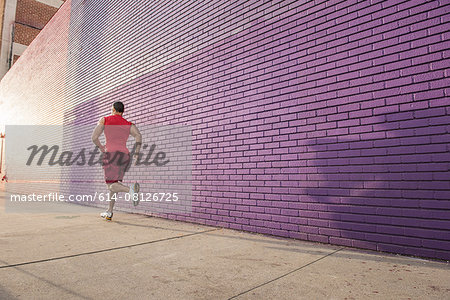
column 112, row 200
column 113, row 190
column 117, row 187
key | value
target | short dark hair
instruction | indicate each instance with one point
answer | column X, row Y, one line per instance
column 118, row 106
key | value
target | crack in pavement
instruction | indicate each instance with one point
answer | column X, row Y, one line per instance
column 105, row 250
column 284, row 275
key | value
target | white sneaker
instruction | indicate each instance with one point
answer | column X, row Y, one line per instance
column 106, row 215
column 134, row 189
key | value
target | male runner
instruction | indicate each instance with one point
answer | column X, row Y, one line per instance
column 116, row 157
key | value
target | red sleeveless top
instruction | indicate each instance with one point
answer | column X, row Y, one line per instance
column 117, row 131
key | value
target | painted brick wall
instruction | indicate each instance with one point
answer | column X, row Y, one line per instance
column 325, row 121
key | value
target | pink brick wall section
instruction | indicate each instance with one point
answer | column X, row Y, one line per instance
column 325, row 121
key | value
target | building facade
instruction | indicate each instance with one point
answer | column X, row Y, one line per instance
column 20, row 22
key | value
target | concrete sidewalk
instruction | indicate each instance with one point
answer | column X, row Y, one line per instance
column 81, row 256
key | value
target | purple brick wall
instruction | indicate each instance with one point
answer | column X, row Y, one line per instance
column 326, row 121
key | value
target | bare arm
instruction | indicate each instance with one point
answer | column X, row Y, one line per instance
column 134, row 131
column 97, row 132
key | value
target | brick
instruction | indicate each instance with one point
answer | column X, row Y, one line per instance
column 24, row 34
column 438, row 102
column 413, row 53
column 429, row 76
column 34, row 13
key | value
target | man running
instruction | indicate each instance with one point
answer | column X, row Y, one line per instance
column 116, row 157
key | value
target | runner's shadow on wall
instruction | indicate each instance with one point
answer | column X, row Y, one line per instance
column 358, row 189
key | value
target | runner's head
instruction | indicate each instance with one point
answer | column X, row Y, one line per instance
column 118, row 108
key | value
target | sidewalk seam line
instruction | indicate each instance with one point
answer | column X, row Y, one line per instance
column 286, row 274
column 105, row 250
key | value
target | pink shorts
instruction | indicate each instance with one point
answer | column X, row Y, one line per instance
column 115, row 164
